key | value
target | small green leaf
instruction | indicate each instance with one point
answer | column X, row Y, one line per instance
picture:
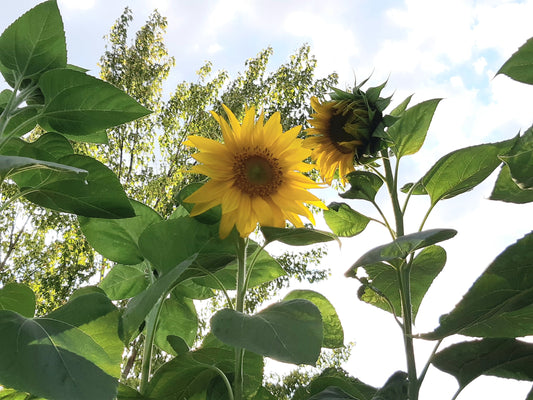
column 520, row 160
column 505, row 358
column 520, row 66
column 177, row 318
column 400, row 108
column 414, row 188
column 507, row 190
column 400, row 248
column 290, row 331
column 500, row 302
column 72, row 353
column 407, row 135
column 79, row 104
column 139, row 306
column 297, row 236
column 364, row 185
column 344, row 221
column 117, row 239
column 333, row 334
column 35, row 42
column 19, row 298
column 124, row 281
column 463, row 169
column 383, row 277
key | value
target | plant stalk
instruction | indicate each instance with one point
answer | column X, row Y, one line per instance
column 238, row 383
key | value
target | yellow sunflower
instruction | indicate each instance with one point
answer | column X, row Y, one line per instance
column 340, row 129
column 254, row 174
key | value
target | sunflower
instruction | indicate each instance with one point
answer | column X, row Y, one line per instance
column 253, row 174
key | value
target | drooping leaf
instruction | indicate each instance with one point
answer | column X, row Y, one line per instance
column 424, row 269
column 407, row 135
column 12, row 165
column 100, row 195
column 19, row 298
column 73, row 352
column 333, row 334
column 117, row 239
column 463, row 169
column 520, row 66
column 505, row 358
column 297, row 236
column 401, row 247
column 289, row 331
column 344, row 221
column 520, row 160
column 191, row 373
column 124, row 281
column 139, row 306
column 177, row 318
column 79, row 104
column 167, row 243
column 500, row 302
column 265, row 269
column 34, row 43
column 507, row 190
column 364, row 185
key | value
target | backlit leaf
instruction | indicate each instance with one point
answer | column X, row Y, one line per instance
column 364, row 185
column 289, row 331
column 344, row 221
column 507, row 190
column 19, row 298
column 520, row 66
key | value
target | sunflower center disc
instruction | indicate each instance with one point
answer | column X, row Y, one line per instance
column 257, row 174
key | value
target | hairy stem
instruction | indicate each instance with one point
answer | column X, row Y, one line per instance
column 239, row 306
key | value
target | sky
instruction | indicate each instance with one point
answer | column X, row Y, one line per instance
column 430, row 48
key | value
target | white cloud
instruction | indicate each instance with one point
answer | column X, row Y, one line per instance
column 77, row 4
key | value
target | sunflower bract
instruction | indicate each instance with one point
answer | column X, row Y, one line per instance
column 255, row 175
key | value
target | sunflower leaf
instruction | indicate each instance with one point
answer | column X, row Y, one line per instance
column 297, row 236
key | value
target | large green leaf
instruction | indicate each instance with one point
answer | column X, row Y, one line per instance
column 125, row 281
column 72, row 353
column 265, row 269
column 192, row 373
column 289, row 331
column 139, row 306
column 211, row 216
column 407, row 135
column 505, row 358
column 165, row 244
column 520, row 160
column 400, row 248
column 507, row 190
column 34, row 43
column 100, row 195
column 383, row 277
column 520, row 66
column 364, row 185
column 463, row 169
column 500, row 302
column 176, row 318
column 79, row 104
column 297, row 236
column 117, row 239
column 333, row 334
column 344, row 221
column 19, row 298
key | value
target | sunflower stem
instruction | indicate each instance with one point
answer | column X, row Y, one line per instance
column 238, row 382
column 404, row 279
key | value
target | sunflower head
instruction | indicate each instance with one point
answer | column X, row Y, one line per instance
column 345, row 130
column 254, row 175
